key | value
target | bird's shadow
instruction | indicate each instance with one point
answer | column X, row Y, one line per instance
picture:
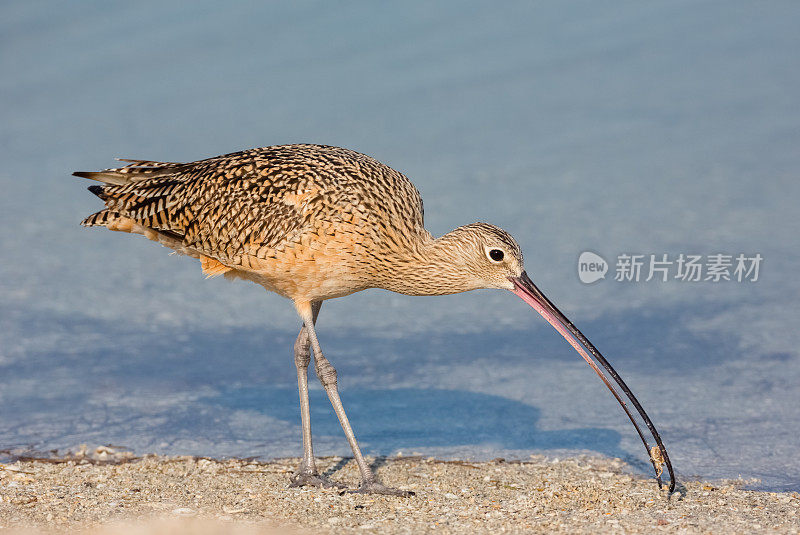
column 409, row 418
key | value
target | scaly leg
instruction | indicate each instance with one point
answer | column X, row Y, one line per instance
column 327, row 376
column 306, row 473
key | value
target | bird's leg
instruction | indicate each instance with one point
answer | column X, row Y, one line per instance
column 306, row 473
column 327, row 376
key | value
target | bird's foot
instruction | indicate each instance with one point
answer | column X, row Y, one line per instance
column 376, row 487
column 313, row 479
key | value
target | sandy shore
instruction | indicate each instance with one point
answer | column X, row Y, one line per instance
column 112, row 492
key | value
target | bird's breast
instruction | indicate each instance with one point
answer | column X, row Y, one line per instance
column 321, row 264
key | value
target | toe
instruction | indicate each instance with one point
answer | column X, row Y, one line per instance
column 376, row 487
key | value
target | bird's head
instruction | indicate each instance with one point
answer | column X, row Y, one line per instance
column 485, row 254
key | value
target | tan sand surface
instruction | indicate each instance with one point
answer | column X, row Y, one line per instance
column 108, row 491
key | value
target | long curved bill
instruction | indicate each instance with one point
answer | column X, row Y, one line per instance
column 527, row 290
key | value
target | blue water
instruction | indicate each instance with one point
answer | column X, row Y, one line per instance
column 615, row 127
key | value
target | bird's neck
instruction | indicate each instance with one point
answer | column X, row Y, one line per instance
column 431, row 266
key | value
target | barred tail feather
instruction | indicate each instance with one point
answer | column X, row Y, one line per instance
column 109, row 177
column 100, row 219
column 135, row 171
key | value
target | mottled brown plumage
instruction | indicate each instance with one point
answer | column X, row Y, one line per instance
column 314, row 222
column 309, row 222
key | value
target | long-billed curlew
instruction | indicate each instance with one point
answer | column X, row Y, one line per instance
column 311, row 223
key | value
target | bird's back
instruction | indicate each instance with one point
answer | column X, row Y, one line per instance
column 306, row 221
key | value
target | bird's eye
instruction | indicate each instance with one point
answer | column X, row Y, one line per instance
column 496, row 255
